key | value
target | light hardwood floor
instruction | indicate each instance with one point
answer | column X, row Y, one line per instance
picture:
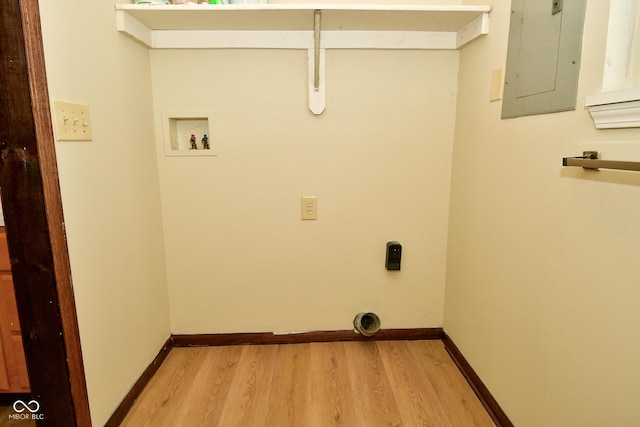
column 372, row 383
column 5, row 421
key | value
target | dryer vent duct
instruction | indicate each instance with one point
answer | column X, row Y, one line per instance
column 367, row 324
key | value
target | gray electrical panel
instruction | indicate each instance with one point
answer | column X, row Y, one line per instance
column 543, row 57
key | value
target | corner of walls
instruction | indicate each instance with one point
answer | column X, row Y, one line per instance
column 111, row 197
column 542, row 261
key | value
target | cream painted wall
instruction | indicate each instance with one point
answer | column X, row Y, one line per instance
column 110, row 195
column 239, row 258
column 543, row 278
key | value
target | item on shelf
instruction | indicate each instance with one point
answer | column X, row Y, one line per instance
column 205, row 142
column 152, row 2
column 194, row 146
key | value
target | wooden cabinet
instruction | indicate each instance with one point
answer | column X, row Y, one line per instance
column 13, row 367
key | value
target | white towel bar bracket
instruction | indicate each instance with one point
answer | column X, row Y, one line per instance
column 591, row 160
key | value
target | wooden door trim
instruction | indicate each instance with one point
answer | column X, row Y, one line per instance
column 35, row 226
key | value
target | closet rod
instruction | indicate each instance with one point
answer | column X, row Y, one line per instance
column 591, row 160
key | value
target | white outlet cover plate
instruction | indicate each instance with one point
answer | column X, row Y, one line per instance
column 309, row 208
column 72, row 121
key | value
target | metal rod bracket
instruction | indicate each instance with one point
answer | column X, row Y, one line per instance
column 591, row 160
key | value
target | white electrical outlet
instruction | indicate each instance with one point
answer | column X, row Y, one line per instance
column 309, row 207
column 72, row 121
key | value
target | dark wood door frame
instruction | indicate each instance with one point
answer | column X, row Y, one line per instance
column 34, row 222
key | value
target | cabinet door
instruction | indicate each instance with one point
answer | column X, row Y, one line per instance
column 5, row 264
column 20, row 376
column 13, row 349
column 5, row 386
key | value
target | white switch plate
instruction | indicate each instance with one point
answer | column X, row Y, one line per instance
column 309, row 207
column 72, row 121
column 497, row 79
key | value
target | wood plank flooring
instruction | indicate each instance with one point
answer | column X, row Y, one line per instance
column 5, row 421
column 372, row 383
